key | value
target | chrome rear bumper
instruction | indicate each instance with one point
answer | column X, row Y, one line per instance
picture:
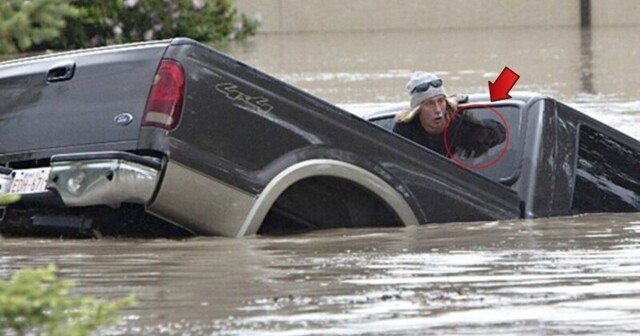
column 103, row 178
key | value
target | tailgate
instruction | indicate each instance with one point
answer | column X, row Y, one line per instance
column 95, row 96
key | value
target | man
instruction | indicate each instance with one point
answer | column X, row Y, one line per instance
column 431, row 111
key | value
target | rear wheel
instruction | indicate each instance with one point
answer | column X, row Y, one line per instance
column 321, row 202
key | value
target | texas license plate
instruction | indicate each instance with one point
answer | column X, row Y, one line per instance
column 27, row 181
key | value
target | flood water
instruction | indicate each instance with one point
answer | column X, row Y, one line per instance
column 578, row 275
column 555, row 276
column 596, row 71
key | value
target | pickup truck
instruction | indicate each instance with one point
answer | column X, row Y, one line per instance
column 175, row 134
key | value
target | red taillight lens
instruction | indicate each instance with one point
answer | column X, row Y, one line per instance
column 164, row 104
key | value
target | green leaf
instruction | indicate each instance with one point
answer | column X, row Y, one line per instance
column 34, row 301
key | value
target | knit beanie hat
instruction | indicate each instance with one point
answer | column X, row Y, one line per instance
column 420, row 95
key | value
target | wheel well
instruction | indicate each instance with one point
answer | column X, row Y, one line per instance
column 323, row 202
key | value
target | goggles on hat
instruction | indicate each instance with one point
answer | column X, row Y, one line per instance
column 436, row 83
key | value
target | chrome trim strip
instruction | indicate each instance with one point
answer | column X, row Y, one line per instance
column 152, row 162
column 324, row 167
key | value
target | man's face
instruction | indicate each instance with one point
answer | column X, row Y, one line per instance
column 432, row 113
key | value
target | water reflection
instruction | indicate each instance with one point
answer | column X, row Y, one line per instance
column 586, row 62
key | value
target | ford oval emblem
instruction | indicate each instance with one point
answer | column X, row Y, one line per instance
column 123, row 119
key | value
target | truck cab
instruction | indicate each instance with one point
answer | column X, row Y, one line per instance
column 558, row 160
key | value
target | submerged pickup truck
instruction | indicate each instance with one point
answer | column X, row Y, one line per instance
column 175, row 133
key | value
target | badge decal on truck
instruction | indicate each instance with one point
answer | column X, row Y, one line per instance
column 123, row 119
column 231, row 91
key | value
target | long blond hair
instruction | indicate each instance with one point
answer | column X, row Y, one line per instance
column 408, row 115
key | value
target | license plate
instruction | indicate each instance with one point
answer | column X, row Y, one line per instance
column 27, row 181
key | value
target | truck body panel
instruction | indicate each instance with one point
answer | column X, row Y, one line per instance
column 100, row 100
column 252, row 154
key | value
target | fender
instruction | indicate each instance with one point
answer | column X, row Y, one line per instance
column 325, row 167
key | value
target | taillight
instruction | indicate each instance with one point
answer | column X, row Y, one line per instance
column 164, row 104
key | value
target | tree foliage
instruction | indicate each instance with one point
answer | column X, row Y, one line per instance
column 24, row 24
column 32, row 25
column 35, row 302
column 205, row 20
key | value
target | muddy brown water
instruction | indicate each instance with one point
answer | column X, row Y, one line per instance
column 575, row 275
column 554, row 276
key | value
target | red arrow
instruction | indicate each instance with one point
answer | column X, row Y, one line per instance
column 503, row 84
